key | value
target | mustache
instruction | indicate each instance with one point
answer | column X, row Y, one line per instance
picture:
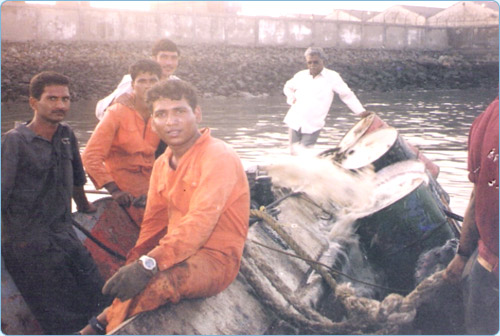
column 59, row 111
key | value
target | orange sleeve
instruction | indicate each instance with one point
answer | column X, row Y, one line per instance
column 98, row 147
column 215, row 184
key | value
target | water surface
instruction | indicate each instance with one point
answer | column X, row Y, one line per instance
column 437, row 122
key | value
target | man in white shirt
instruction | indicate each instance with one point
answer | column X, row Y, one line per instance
column 310, row 94
column 165, row 52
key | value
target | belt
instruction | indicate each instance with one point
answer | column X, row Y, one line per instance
column 486, row 258
column 489, row 267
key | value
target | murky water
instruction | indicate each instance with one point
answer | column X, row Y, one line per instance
column 437, row 122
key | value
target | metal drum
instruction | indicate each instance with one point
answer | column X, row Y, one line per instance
column 406, row 221
column 365, row 126
column 380, row 148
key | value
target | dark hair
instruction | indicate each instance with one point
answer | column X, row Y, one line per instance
column 145, row 65
column 43, row 79
column 174, row 89
column 164, row 45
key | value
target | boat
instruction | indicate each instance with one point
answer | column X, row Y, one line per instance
column 340, row 243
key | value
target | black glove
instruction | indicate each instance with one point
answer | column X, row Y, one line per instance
column 129, row 281
column 124, row 198
column 140, row 202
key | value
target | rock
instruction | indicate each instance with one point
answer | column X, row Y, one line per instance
column 95, row 68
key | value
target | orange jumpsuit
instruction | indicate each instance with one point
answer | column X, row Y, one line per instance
column 122, row 149
column 195, row 226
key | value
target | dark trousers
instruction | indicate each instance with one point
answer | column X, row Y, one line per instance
column 305, row 139
column 58, row 279
column 481, row 301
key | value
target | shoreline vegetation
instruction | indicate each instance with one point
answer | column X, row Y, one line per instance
column 95, row 68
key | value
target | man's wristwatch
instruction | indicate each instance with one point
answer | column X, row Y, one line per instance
column 149, row 263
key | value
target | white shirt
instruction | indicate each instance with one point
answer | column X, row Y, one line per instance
column 125, row 86
column 311, row 99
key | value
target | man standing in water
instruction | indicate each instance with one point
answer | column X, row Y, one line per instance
column 196, row 219
column 479, row 236
column 41, row 172
column 310, row 94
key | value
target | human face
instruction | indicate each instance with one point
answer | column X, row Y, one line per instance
column 168, row 61
column 53, row 104
column 176, row 123
column 142, row 83
column 314, row 64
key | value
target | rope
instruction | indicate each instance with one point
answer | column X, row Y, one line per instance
column 331, row 269
column 453, row 215
column 296, row 247
column 275, row 303
column 393, row 315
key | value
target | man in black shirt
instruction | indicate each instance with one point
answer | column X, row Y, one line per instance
column 41, row 172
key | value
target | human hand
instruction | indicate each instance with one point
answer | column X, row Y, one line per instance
column 453, row 272
column 124, row 198
column 365, row 114
column 140, row 202
column 128, row 281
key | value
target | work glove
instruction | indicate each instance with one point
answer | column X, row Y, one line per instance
column 129, row 281
column 140, row 202
column 123, row 198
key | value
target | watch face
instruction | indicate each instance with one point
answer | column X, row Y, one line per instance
column 148, row 263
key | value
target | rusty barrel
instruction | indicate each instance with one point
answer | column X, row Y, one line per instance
column 372, row 123
column 405, row 222
column 380, row 148
column 365, row 126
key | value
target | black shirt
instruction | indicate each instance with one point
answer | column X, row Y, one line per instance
column 37, row 180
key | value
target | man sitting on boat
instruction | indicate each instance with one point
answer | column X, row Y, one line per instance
column 196, row 218
column 120, row 153
column 167, row 54
column 41, row 172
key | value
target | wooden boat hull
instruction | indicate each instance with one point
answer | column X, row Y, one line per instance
column 17, row 318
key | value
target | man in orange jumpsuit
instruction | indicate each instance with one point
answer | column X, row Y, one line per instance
column 120, row 153
column 196, row 219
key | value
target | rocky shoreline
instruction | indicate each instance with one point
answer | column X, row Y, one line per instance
column 95, row 68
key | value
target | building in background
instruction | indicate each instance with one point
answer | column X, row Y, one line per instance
column 467, row 13
column 406, row 15
column 196, row 7
column 351, row 15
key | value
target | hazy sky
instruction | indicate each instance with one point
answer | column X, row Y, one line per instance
column 276, row 8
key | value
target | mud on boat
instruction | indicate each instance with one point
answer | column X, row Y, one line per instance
column 347, row 242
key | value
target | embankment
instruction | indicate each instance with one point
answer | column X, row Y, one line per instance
column 96, row 67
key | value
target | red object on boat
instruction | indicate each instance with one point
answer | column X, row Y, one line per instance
column 113, row 227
